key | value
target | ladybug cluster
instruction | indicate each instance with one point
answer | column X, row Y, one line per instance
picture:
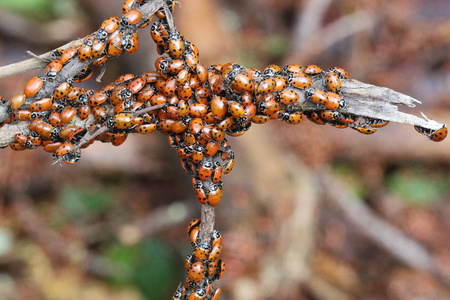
column 203, row 266
column 194, row 105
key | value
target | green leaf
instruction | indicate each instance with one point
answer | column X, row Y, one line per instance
column 84, row 204
column 416, row 186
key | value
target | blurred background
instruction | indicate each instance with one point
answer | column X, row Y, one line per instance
column 309, row 212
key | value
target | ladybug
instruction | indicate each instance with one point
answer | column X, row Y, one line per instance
column 215, row 252
column 44, row 129
column 64, row 149
column 226, row 123
column 205, row 170
column 84, row 111
column 67, row 114
column 334, row 101
column 280, row 83
column 250, row 111
column 242, row 83
column 191, row 60
column 188, row 138
column 131, row 43
column 16, row 101
column 169, row 87
column 110, row 25
column 220, row 270
column 22, row 115
column 211, row 148
column 64, row 133
column 195, row 125
column 20, row 139
column 68, row 54
column 201, row 94
column 346, row 118
column 98, row 48
column 53, row 69
column 312, row 70
column 216, row 294
column 197, row 154
column 198, row 110
column 61, row 91
column 98, row 98
column 118, row 95
column 214, row 195
column 184, row 92
column 364, row 129
column 229, row 165
column 74, row 93
column 183, row 108
column 289, row 69
column 317, row 96
column 340, row 72
column 196, row 272
column 217, row 134
column 115, row 46
column 439, row 135
column 216, row 238
column 84, row 75
column 217, row 85
column 51, row 147
column 300, row 80
column 236, row 109
column 266, row 86
column 202, row 73
column 124, row 78
column 377, row 123
column 294, row 118
column 202, row 198
column 99, row 113
column 172, row 112
column 195, row 223
column 186, row 165
column 269, row 106
column 271, row 70
column 333, row 82
column 202, row 252
column 314, row 117
column 182, row 77
column 33, row 86
column 129, row 5
column 41, row 105
column 166, row 125
column 150, row 77
column 179, row 293
column 176, row 45
column 156, row 35
column 199, row 294
column 131, row 17
column 84, row 51
column 260, row 119
column 136, row 85
column 217, row 173
column 118, row 139
column 17, row 147
column 328, row 115
column 176, row 66
column 287, row 96
column 178, row 126
column 76, row 135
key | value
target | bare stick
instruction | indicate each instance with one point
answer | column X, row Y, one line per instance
column 362, row 99
column 34, row 63
column 72, row 68
column 387, row 236
column 207, row 223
